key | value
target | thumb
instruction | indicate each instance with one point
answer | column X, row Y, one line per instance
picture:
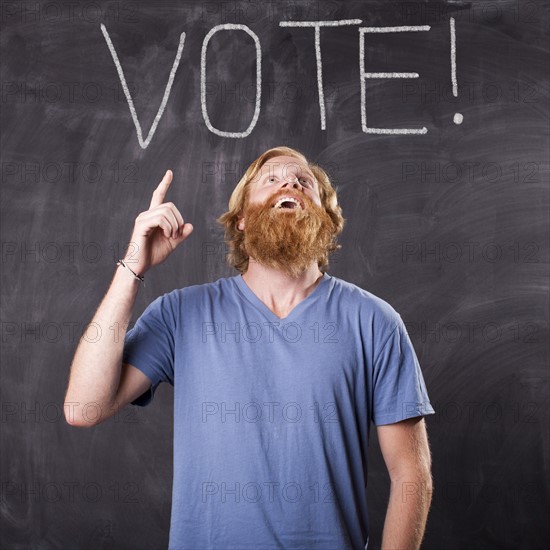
column 187, row 230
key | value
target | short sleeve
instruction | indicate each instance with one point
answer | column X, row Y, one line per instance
column 149, row 346
column 399, row 391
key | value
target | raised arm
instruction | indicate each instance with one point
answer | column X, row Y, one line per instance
column 99, row 384
column 406, row 452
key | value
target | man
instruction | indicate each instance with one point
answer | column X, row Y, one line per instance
column 278, row 373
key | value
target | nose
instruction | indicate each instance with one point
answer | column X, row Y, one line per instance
column 293, row 181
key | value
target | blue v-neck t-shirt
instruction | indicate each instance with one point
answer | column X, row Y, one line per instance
column 272, row 416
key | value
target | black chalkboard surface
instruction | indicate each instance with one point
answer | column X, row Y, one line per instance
column 432, row 120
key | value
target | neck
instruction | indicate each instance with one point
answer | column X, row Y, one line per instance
column 278, row 290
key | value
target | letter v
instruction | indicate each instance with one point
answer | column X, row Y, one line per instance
column 145, row 143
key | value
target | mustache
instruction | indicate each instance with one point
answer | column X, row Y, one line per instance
column 268, row 203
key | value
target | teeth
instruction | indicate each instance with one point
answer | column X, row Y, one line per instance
column 286, row 199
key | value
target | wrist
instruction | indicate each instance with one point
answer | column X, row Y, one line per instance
column 135, row 273
column 132, row 266
column 125, row 277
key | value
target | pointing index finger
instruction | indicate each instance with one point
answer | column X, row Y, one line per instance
column 160, row 192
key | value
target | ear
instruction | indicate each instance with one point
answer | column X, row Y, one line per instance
column 240, row 223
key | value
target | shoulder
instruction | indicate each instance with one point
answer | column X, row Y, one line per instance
column 200, row 292
column 189, row 301
column 368, row 306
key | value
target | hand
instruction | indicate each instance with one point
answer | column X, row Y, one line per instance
column 157, row 231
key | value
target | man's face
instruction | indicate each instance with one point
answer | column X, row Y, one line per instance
column 287, row 235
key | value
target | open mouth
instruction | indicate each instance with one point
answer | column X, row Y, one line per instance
column 289, row 203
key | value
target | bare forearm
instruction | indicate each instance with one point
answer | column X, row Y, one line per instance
column 407, row 513
column 96, row 367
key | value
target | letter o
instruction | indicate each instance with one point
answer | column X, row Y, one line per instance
column 211, row 33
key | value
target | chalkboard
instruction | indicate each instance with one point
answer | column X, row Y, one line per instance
column 432, row 120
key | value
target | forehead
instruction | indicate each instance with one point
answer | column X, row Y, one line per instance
column 284, row 165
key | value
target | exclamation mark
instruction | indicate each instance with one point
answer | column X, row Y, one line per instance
column 458, row 118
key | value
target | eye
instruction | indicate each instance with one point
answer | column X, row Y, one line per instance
column 305, row 181
column 271, row 179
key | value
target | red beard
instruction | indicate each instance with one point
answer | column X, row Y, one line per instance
column 285, row 239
